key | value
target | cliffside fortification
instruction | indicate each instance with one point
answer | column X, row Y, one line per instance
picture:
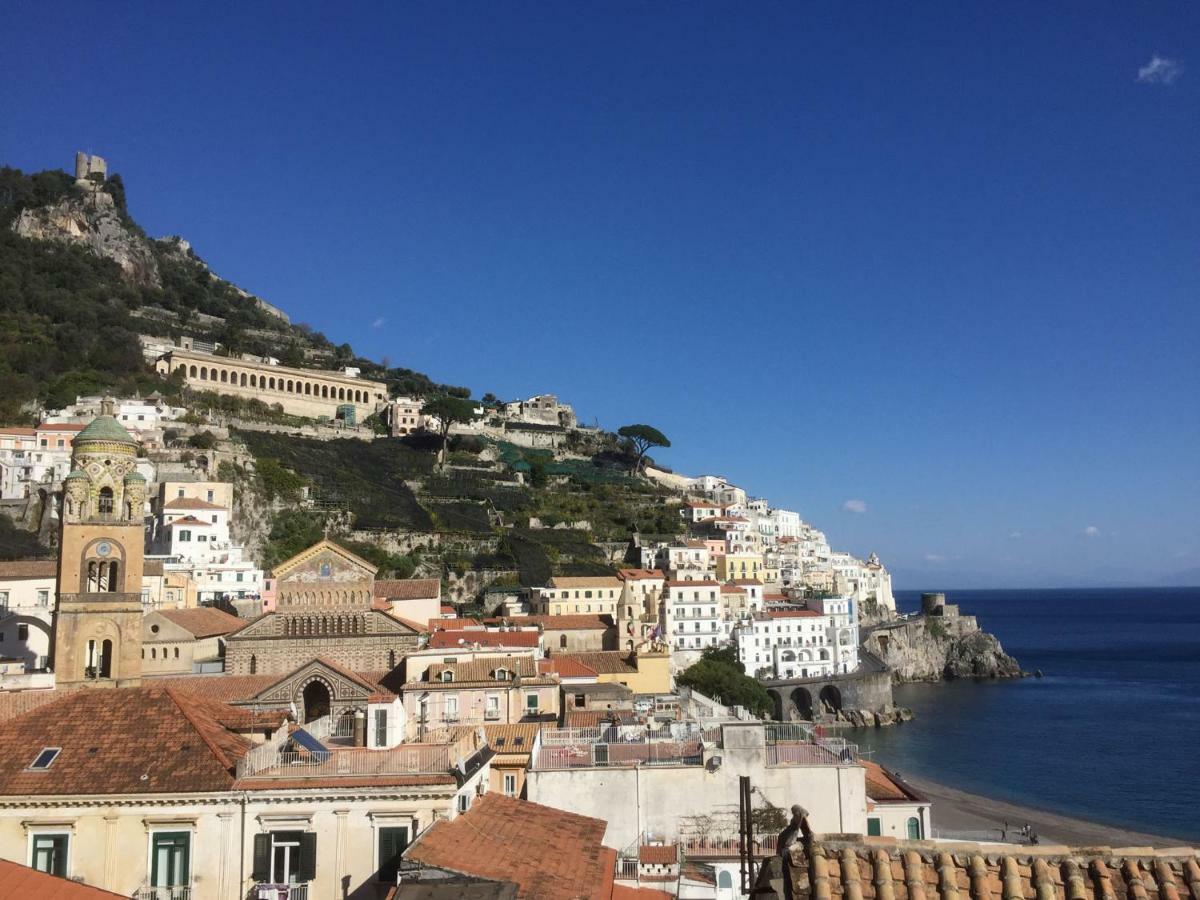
column 939, row 644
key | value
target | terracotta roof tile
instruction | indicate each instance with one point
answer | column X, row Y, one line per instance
column 15, row 703
column 22, row 881
column 591, row 718
column 588, row 581
column 29, row 568
column 625, row 892
column 190, row 503
column 127, row 740
column 883, row 786
column 658, row 854
column 203, row 621
column 582, row 622
column 566, row 667
column 408, row 588
column 840, row 866
column 603, row 662
column 217, row 688
column 481, row 669
column 493, row 840
column 707, row 582
column 448, row 640
column 639, row 574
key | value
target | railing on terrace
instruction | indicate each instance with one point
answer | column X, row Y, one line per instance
column 627, row 867
column 411, row 759
column 796, row 744
column 726, row 846
column 619, row 755
column 279, row 892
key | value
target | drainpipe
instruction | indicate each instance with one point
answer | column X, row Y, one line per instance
column 242, row 848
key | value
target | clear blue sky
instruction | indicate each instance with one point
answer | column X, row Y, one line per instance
column 941, row 259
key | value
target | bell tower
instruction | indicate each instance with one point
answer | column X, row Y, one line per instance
column 98, row 620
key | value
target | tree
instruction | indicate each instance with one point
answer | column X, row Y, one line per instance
column 642, row 438
column 448, row 411
column 718, row 674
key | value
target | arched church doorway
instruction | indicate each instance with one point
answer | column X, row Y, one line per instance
column 316, row 701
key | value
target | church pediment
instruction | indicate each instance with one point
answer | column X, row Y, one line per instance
column 324, row 562
column 344, row 686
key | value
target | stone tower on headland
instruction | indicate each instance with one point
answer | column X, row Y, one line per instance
column 90, row 171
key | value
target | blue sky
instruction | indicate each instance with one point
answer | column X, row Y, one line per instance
column 939, row 260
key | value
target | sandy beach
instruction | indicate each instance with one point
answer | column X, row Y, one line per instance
column 958, row 813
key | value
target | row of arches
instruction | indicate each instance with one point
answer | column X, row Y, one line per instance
column 103, row 577
column 803, row 656
column 328, row 598
column 281, row 385
column 304, row 626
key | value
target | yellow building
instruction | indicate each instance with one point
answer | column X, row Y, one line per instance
column 734, row 566
column 568, row 596
column 647, row 671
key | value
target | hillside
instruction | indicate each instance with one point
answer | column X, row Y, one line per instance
column 80, row 280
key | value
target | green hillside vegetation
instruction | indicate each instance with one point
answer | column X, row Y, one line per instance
column 69, row 322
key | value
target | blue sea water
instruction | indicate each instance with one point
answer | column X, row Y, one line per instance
column 1111, row 732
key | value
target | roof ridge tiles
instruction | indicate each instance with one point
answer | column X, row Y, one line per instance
column 226, row 763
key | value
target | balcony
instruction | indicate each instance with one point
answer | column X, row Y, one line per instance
column 265, row 891
column 163, row 893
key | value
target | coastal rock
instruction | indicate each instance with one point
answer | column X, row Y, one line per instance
column 933, row 648
column 92, row 221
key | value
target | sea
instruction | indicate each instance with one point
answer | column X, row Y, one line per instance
column 1109, row 733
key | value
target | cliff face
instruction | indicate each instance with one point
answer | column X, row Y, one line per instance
column 933, row 648
column 93, row 221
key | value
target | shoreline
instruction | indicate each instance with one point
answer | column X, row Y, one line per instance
column 956, row 812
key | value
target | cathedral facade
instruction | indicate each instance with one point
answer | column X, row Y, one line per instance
column 324, row 609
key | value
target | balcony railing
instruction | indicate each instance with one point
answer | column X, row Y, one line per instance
column 266, row 891
column 422, row 759
column 146, row 892
column 726, row 846
column 790, row 744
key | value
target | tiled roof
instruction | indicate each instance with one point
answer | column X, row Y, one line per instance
column 190, row 503
column 16, row 703
column 218, row 688
column 851, row 867
column 566, row 667
column 128, row 740
column 448, row 640
column 17, row 430
column 884, row 787
column 603, row 662
column 625, row 892
column 408, row 588
column 259, row 783
column 481, row 669
column 512, row 739
column 707, row 582
column 591, row 718
column 582, row 622
column 29, row 568
column 747, row 581
column 791, row 613
column 152, row 567
column 658, row 854
column 591, row 581
column 61, row 426
column 22, row 881
column 495, row 837
column 190, row 522
column 731, row 589
column 203, row 621
column 454, row 624
column 637, row 574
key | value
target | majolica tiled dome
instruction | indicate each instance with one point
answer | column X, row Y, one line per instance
column 105, row 428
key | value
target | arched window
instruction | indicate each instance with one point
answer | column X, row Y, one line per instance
column 914, row 828
column 271, row 384
column 253, row 381
column 224, row 376
column 562, row 642
column 391, row 659
column 154, row 653
column 106, row 653
column 93, row 577
column 291, row 389
column 106, row 501
column 253, row 664
column 192, row 372
column 725, row 880
column 204, row 373
column 501, row 675
column 177, row 653
column 447, row 675
column 307, row 388
column 113, row 585
column 242, row 380
column 325, row 391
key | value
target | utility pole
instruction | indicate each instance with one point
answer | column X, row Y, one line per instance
column 745, row 833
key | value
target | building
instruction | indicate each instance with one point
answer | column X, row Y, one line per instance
column 794, row 642
column 24, row 881
column 98, row 620
column 33, row 457
column 894, row 808
column 324, row 607
column 28, row 594
column 818, row 866
column 192, row 535
column 154, row 793
column 312, row 393
column 646, row 671
column 740, row 566
column 638, row 615
column 415, row 599
column 641, row 779
column 544, row 409
column 491, row 689
column 569, row 634
column 143, row 417
column 563, row 596
column 403, row 416
column 693, row 619
column 181, row 641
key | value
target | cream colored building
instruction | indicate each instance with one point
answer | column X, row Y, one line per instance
column 301, row 392
column 205, row 798
column 570, row 595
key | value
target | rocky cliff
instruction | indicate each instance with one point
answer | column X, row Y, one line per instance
column 933, row 648
column 92, row 220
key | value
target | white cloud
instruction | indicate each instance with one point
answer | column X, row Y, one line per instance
column 855, row 506
column 378, row 323
column 934, row 557
column 1015, row 536
column 1160, row 70
column 1091, row 532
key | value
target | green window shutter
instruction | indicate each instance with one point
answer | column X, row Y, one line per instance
column 262, row 857
column 307, row 870
column 392, row 843
column 873, row 829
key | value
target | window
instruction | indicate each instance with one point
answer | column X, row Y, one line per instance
column 45, row 758
column 447, row 676
column 510, row 785
column 914, row 828
column 285, row 857
column 184, row 535
column 170, row 859
column 48, row 853
column 381, row 730
column 531, row 703
column 451, row 709
column 491, row 709
column 106, row 501
column 873, row 828
column 464, row 802
column 393, row 839
column 22, row 632
column 210, row 496
column 43, row 598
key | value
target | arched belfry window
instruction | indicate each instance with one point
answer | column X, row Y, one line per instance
column 106, row 501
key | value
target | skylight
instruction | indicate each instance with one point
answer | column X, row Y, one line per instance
column 45, row 758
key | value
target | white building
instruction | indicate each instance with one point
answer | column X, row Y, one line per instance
column 192, row 536
column 34, row 456
column 815, row 642
column 692, row 619
column 144, row 417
